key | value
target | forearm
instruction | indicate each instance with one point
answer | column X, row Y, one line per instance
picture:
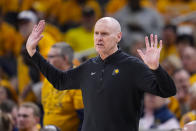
column 165, row 83
column 56, row 77
column 156, row 82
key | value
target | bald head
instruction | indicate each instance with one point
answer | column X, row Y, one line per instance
column 110, row 21
column 107, row 34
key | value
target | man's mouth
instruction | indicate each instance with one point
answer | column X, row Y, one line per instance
column 99, row 44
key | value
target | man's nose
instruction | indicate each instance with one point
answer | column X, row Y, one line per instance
column 100, row 37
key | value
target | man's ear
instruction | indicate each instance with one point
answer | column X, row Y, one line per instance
column 37, row 119
column 119, row 36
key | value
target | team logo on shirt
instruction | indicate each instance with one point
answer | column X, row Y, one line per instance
column 115, row 72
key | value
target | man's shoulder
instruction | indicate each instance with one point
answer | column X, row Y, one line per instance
column 131, row 58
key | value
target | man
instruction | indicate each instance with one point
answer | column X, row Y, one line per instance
column 182, row 81
column 63, row 109
column 28, row 117
column 113, row 83
column 157, row 115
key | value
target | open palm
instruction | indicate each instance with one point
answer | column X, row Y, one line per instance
column 152, row 53
column 35, row 37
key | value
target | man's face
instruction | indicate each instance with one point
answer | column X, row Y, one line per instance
column 105, row 37
column 25, row 28
column 181, row 80
column 26, row 120
column 188, row 59
column 169, row 36
column 55, row 58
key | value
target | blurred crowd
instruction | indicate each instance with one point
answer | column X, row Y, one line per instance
column 28, row 102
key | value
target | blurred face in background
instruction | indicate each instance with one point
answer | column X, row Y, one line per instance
column 181, row 79
column 169, row 36
column 56, row 58
column 26, row 119
column 189, row 59
column 25, row 28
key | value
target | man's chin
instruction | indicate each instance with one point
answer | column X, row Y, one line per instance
column 99, row 51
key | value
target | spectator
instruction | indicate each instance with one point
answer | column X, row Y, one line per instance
column 63, row 109
column 191, row 115
column 11, row 109
column 157, row 115
column 28, row 117
column 169, row 39
column 189, row 62
column 184, row 41
column 5, row 122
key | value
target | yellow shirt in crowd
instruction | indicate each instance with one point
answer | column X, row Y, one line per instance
column 115, row 5
column 9, row 38
column 79, row 39
column 167, row 51
column 192, row 79
column 74, row 11
column 174, row 107
column 54, row 32
column 60, row 107
column 175, row 8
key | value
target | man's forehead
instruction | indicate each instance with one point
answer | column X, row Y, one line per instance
column 108, row 22
column 25, row 110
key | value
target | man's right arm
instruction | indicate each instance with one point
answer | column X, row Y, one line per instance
column 60, row 80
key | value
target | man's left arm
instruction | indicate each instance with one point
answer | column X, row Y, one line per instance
column 156, row 80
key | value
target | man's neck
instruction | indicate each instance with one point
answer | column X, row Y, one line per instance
column 66, row 67
column 104, row 55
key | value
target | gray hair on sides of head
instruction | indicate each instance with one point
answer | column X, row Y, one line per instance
column 65, row 50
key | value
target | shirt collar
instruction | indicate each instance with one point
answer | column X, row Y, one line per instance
column 113, row 57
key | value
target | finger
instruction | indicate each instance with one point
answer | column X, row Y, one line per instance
column 34, row 28
column 147, row 42
column 151, row 40
column 140, row 53
column 156, row 41
column 40, row 25
column 160, row 45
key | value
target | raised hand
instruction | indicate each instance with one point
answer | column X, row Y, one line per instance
column 152, row 53
column 35, row 37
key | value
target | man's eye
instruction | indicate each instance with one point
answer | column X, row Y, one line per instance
column 104, row 33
